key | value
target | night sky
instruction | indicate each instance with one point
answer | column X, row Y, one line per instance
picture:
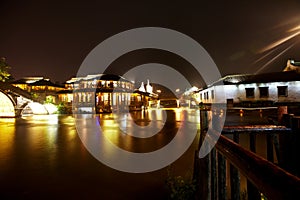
column 52, row 38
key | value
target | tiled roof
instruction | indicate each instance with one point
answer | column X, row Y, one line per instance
column 106, row 77
column 44, row 83
column 258, row 78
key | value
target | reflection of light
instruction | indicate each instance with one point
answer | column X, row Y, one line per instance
column 279, row 42
column 277, row 56
column 37, row 108
column 159, row 115
column 48, row 119
column 241, row 112
column 221, row 113
column 7, row 134
column 51, row 108
column 294, row 29
column 178, row 114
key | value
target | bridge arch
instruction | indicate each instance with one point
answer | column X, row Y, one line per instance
column 7, row 105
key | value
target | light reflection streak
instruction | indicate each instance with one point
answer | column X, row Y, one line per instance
column 7, row 135
column 279, row 42
column 274, row 58
column 274, row 46
column 294, row 29
column 103, row 141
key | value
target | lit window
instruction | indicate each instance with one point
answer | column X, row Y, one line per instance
column 282, row 91
column 249, row 92
column 263, row 92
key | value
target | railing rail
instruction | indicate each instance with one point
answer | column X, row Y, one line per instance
column 271, row 180
column 263, row 176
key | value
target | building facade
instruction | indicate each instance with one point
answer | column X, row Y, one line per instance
column 279, row 88
column 41, row 89
column 105, row 93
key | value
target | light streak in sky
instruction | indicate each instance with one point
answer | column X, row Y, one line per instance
column 267, row 54
column 274, row 58
column 294, row 29
column 274, row 46
column 279, row 42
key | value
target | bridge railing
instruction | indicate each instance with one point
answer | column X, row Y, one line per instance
column 218, row 174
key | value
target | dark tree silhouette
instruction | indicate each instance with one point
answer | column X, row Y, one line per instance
column 4, row 70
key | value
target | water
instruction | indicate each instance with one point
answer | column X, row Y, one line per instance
column 42, row 157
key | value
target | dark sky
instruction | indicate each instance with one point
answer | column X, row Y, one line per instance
column 51, row 38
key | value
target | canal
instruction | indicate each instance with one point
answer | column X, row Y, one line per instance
column 43, row 157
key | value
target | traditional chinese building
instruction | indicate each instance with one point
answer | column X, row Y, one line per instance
column 41, row 89
column 106, row 93
column 248, row 90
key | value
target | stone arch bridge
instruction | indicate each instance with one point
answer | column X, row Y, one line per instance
column 14, row 101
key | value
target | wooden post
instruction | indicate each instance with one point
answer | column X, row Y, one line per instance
column 277, row 148
column 270, row 155
column 221, row 177
column 252, row 191
column 203, row 175
column 213, row 175
column 234, row 176
column 281, row 110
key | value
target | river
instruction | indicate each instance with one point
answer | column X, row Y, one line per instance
column 43, row 157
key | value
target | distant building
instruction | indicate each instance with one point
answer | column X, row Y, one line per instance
column 66, row 95
column 41, row 89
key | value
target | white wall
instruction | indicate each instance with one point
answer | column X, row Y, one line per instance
column 238, row 92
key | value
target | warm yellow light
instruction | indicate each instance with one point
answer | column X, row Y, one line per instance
column 51, row 108
column 6, row 106
column 37, row 108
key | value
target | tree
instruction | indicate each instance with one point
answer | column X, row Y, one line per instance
column 4, row 71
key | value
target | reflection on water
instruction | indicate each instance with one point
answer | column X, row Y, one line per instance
column 6, row 138
column 43, row 155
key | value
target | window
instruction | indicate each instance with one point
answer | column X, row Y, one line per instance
column 212, row 94
column 263, row 92
column 205, row 95
column 249, row 92
column 282, row 91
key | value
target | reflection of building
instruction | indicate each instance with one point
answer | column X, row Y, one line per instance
column 40, row 88
column 279, row 88
column 105, row 93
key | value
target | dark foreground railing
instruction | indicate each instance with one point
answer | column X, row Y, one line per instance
column 264, row 179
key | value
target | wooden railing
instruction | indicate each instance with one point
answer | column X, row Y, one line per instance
column 218, row 174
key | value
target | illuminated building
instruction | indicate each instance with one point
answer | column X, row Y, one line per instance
column 102, row 93
column 292, row 65
column 143, row 97
column 41, row 89
column 66, row 95
column 269, row 89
